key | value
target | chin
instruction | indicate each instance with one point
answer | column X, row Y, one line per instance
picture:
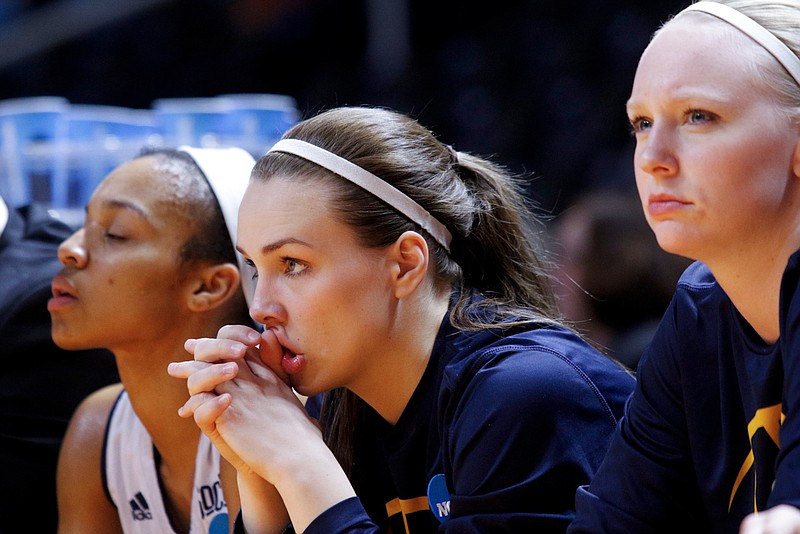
column 306, row 389
column 68, row 342
column 675, row 243
column 671, row 248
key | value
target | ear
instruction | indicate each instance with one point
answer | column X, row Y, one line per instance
column 214, row 285
column 409, row 255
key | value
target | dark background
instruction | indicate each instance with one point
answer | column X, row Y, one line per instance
column 539, row 86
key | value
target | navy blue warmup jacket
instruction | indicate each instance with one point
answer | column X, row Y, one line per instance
column 515, row 421
column 711, row 432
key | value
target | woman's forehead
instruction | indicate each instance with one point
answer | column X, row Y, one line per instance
column 314, row 188
column 158, row 196
column 280, row 207
column 690, row 53
column 702, row 34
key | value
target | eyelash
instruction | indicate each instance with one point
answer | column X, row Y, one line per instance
column 287, row 261
column 707, row 116
column 113, row 237
column 636, row 122
column 252, row 266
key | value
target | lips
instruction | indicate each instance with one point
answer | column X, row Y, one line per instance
column 662, row 204
column 64, row 294
column 292, row 362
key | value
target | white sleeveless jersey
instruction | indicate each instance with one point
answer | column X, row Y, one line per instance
column 131, row 481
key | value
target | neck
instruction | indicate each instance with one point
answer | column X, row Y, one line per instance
column 156, row 396
column 754, row 288
column 391, row 381
column 156, row 399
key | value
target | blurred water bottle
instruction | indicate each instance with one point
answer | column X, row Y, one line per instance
column 100, row 138
column 255, row 122
column 190, row 121
column 32, row 147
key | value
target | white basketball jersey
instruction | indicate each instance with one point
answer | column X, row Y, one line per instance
column 131, row 480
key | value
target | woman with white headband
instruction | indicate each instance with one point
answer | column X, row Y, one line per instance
column 395, row 274
column 153, row 264
column 712, row 432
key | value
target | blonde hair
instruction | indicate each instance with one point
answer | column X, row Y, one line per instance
column 782, row 19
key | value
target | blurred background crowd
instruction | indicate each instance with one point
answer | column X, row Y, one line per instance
column 541, row 85
column 538, row 86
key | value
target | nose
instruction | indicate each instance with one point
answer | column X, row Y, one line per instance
column 656, row 152
column 72, row 252
column 266, row 307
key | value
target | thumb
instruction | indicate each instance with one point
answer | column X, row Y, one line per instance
column 271, row 353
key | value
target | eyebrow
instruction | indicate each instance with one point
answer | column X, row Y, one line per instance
column 120, row 204
column 271, row 247
column 124, row 204
column 705, row 94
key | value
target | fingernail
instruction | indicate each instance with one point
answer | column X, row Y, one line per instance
column 253, row 336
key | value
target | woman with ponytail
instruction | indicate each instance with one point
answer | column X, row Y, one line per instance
column 401, row 279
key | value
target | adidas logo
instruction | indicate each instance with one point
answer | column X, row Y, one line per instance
column 139, row 509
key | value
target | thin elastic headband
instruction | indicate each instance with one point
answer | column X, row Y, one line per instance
column 227, row 171
column 755, row 31
column 3, row 214
column 370, row 183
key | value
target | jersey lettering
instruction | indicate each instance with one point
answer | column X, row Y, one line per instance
column 769, row 420
column 210, row 499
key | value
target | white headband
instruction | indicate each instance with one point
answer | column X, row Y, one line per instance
column 370, row 183
column 3, row 215
column 227, row 171
column 755, row 31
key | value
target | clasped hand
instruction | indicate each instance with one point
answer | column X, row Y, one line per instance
column 241, row 398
